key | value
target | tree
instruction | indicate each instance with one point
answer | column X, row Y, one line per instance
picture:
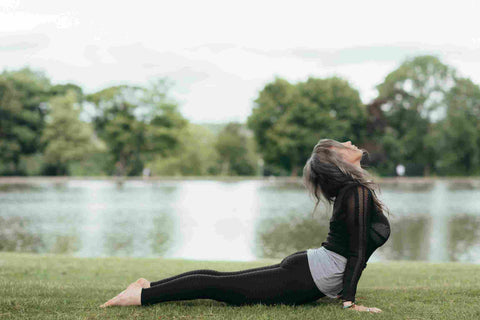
column 165, row 123
column 23, row 97
column 136, row 123
column 62, row 89
column 460, row 135
column 233, row 151
column 288, row 120
column 413, row 98
column 11, row 133
column 66, row 137
column 116, row 124
column 195, row 154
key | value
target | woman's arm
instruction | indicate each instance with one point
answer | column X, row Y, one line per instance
column 358, row 208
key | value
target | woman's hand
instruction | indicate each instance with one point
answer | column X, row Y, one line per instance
column 365, row 309
column 361, row 308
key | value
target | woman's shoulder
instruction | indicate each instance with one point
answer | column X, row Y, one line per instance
column 353, row 189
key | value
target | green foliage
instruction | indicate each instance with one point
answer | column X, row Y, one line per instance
column 288, row 120
column 419, row 84
column 414, row 98
column 236, row 156
column 424, row 117
column 23, row 95
column 201, row 152
column 137, row 124
column 195, row 155
column 460, row 135
column 62, row 89
column 116, row 124
column 32, row 164
column 433, row 119
column 66, row 137
column 96, row 164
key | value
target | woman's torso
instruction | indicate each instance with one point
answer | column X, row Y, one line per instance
column 378, row 228
column 327, row 263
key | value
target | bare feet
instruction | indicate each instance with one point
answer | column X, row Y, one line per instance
column 143, row 282
column 129, row 297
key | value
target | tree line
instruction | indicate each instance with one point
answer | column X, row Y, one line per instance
column 425, row 117
column 48, row 129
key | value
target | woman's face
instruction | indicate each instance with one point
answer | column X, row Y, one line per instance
column 352, row 154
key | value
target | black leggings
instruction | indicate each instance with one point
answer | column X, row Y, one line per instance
column 288, row 282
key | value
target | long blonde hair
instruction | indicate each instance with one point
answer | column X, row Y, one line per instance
column 325, row 173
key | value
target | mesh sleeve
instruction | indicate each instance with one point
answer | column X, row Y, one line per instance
column 358, row 210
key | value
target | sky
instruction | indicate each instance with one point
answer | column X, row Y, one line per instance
column 220, row 54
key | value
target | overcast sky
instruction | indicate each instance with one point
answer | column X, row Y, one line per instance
column 220, row 54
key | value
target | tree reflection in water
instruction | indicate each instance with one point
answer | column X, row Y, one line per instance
column 409, row 238
column 65, row 244
column 280, row 236
column 119, row 238
column 464, row 235
column 16, row 234
column 160, row 235
column 139, row 238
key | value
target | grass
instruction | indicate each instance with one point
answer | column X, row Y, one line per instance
column 63, row 287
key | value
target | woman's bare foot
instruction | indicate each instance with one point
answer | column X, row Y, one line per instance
column 129, row 297
column 143, row 282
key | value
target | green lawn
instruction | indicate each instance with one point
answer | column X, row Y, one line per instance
column 62, row 287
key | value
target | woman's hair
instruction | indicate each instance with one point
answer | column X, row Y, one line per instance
column 325, row 173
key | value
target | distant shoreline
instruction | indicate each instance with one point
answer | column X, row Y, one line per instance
column 60, row 179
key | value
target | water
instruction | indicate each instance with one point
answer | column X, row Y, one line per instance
column 226, row 220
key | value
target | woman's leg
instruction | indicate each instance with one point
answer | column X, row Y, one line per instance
column 209, row 272
column 218, row 273
column 289, row 282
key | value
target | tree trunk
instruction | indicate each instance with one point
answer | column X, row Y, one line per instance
column 426, row 170
column 16, row 161
column 468, row 164
column 121, row 165
column 294, row 171
column 225, row 168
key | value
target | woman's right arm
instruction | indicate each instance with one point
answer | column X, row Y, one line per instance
column 357, row 212
column 358, row 208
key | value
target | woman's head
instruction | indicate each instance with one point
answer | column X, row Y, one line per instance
column 332, row 166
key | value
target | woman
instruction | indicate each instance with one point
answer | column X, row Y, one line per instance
column 357, row 227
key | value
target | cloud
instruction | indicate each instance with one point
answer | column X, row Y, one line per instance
column 355, row 55
column 395, row 52
column 185, row 77
column 352, row 55
column 214, row 47
column 220, row 62
column 25, row 42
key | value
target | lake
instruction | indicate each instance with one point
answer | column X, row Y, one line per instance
column 232, row 219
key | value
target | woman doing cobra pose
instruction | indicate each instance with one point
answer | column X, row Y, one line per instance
column 357, row 228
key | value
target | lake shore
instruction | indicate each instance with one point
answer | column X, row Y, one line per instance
column 60, row 179
column 34, row 286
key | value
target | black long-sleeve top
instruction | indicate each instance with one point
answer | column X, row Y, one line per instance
column 357, row 229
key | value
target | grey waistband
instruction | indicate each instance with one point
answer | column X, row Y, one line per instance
column 327, row 269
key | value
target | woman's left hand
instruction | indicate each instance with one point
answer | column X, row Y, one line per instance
column 365, row 309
